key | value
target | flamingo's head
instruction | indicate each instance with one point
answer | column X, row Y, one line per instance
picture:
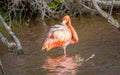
column 65, row 19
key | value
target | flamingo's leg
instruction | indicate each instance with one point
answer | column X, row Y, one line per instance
column 64, row 51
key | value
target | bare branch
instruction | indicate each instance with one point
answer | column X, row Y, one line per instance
column 6, row 42
column 111, row 10
column 113, row 21
column 8, row 29
column 93, row 10
column 1, row 67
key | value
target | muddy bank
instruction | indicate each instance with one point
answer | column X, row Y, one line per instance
column 96, row 37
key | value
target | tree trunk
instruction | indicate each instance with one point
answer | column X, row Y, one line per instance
column 111, row 20
column 105, row 2
column 5, row 41
column 109, row 2
column 1, row 67
column 8, row 29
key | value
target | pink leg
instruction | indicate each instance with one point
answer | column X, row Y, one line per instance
column 65, row 51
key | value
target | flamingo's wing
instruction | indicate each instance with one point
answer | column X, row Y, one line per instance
column 57, row 36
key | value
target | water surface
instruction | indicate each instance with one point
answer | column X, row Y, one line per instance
column 96, row 36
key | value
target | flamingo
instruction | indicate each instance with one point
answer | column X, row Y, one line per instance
column 61, row 35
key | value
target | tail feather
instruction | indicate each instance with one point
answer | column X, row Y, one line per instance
column 48, row 44
column 45, row 45
column 42, row 48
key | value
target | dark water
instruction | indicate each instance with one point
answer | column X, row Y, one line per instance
column 96, row 37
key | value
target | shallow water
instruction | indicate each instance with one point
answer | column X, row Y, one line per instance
column 96, row 36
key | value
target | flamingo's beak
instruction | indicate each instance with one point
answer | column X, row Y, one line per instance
column 64, row 22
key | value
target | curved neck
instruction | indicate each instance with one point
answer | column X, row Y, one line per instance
column 70, row 25
column 74, row 34
column 69, row 22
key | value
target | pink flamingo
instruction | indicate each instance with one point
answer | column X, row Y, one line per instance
column 61, row 35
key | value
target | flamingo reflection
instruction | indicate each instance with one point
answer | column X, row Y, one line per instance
column 61, row 65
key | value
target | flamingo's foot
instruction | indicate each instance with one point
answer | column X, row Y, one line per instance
column 65, row 55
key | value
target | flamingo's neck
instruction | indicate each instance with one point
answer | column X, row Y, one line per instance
column 70, row 24
column 74, row 34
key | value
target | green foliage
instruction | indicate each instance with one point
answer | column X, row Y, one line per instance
column 53, row 5
column 16, row 20
column 5, row 16
column 58, row 1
